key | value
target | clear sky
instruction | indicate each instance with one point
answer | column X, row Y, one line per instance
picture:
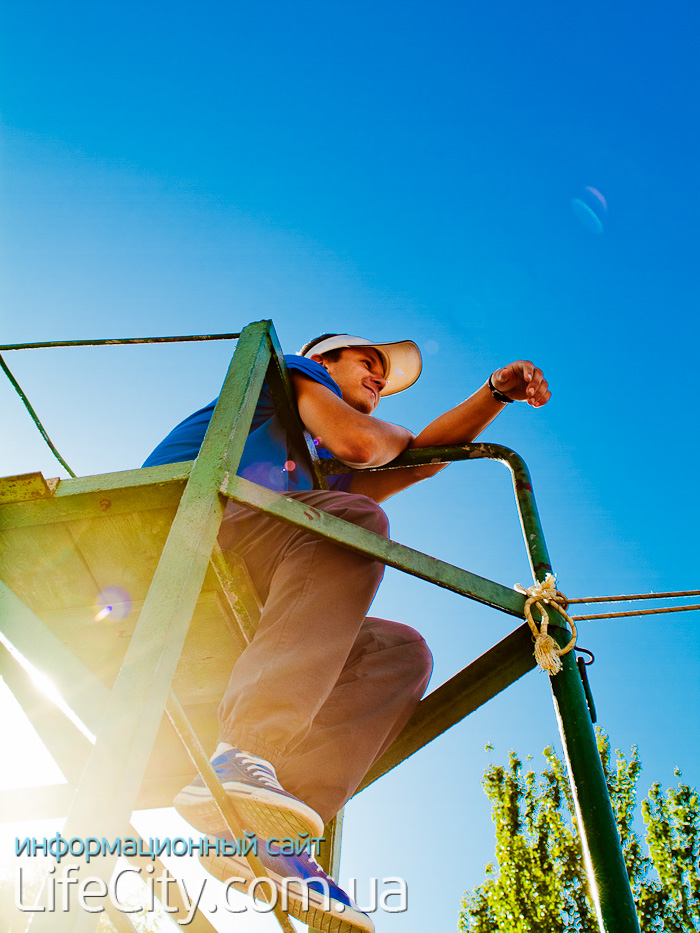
column 392, row 170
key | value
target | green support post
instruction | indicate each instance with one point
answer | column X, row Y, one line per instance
column 605, row 865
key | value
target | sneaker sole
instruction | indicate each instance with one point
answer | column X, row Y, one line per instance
column 264, row 813
column 316, row 917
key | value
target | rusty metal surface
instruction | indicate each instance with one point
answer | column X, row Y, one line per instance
column 25, row 487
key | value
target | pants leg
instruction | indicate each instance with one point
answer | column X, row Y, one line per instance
column 385, row 676
column 316, row 595
column 321, row 690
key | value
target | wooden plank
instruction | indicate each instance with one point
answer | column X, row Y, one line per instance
column 485, row 677
column 69, row 564
column 43, row 567
column 123, row 550
column 208, row 654
column 93, row 496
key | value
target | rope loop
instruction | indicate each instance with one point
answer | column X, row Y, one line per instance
column 547, row 651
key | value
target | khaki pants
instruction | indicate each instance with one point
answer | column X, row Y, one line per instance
column 322, row 690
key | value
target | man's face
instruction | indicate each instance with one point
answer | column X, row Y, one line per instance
column 359, row 372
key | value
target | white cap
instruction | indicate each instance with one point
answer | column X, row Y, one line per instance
column 402, row 359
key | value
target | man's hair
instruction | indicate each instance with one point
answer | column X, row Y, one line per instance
column 332, row 355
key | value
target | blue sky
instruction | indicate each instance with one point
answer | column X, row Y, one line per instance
column 391, row 170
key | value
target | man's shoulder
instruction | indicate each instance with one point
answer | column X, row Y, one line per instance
column 313, row 370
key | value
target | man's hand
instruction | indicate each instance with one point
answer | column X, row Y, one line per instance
column 522, row 382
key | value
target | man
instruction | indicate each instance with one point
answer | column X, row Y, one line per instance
column 323, row 690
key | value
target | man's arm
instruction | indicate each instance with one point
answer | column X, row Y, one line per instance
column 520, row 380
column 355, row 438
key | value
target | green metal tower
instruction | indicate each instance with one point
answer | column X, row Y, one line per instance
column 194, row 612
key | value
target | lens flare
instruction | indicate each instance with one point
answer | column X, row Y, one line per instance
column 113, row 602
column 586, row 216
column 597, row 194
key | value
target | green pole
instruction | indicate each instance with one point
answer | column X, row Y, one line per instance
column 605, row 865
column 602, row 851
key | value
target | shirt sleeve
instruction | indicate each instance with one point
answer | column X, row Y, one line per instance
column 313, row 370
column 301, row 364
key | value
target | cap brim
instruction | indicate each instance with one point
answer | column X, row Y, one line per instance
column 405, row 365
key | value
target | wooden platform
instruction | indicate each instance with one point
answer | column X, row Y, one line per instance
column 60, row 567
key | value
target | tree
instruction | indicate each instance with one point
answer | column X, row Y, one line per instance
column 540, row 885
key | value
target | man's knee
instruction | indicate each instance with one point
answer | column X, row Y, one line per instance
column 410, row 644
column 366, row 513
column 421, row 655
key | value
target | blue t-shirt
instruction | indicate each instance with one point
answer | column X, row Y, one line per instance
column 269, row 456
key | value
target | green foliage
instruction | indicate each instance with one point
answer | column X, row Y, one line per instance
column 540, row 884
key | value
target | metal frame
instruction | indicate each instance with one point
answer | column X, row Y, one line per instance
column 126, row 719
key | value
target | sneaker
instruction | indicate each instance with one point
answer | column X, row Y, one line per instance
column 315, row 900
column 263, row 805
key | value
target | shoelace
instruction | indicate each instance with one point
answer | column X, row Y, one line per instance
column 259, row 772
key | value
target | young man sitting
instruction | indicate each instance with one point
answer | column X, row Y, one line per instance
column 323, row 689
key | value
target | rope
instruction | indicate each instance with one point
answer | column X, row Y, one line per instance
column 34, row 417
column 547, row 651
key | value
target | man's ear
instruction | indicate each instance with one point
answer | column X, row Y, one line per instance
column 319, row 359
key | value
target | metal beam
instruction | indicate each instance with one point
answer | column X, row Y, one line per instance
column 80, row 689
column 226, row 806
column 241, row 598
column 522, row 485
column 68, row 747
column 375, row 546
column 283, row 395
column 608, row 881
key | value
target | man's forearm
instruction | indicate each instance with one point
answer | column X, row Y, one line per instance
column 461, row 424
column 520, row 381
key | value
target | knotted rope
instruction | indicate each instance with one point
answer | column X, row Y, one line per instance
column 547, row 651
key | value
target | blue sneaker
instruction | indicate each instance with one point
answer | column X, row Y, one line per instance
column 304, row 889
column 264, row 806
